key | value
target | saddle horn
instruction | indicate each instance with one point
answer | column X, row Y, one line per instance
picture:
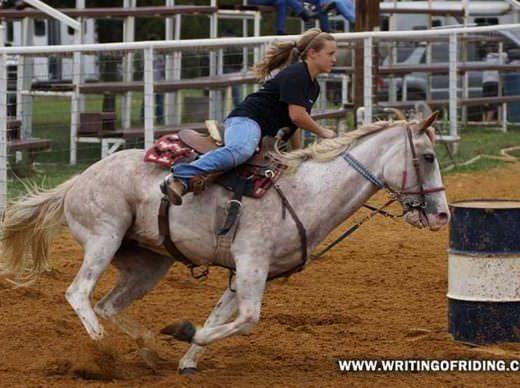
column 425, row 124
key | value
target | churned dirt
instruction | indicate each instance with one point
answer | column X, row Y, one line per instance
column 379, row 295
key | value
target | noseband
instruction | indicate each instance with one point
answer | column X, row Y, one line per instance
column 399, row 195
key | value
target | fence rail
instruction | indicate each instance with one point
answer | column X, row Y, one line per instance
column 247, row 41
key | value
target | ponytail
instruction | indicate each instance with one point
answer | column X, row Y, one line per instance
column 282, row 54
column 279, row 55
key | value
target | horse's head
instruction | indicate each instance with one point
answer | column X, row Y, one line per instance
column 412, row 173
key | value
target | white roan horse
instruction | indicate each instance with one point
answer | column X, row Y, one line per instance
column 118, row 198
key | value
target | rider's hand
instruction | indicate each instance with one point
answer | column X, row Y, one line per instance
column 327, row 133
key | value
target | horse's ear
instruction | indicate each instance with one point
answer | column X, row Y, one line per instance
column 423, row 126
column 398, row 113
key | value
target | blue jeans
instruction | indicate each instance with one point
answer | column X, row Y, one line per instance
column 241, row 137
column 322, row 16
column 281, row 10
column 346, row 8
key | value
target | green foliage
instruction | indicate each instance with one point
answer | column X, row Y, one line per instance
column 480, row 141
column 45, row 176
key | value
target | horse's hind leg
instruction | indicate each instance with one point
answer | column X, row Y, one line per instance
column 225, row 308
column 139, row 271
column 98, row 254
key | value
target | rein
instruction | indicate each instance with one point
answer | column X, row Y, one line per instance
column 355, row 227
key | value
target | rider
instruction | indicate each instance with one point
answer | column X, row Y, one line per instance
column 284, row 100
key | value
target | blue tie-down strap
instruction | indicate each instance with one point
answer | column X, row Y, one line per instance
column 356, row 165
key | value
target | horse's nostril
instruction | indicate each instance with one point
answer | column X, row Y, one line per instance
column 443, row 217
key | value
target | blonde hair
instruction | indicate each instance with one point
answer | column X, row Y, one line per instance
column 329, row 149
column 281, row 54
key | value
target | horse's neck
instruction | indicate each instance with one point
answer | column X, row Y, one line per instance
column 333, row 191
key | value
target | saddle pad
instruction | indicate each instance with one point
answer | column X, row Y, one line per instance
column 170, row 149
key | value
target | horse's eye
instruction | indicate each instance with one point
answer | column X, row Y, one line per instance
column 429, row 157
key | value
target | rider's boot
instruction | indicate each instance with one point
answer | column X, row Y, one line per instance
column 174, row 188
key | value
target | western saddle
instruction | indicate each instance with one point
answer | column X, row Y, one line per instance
column 204, row 144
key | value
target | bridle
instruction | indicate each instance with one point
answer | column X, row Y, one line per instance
column 396, row 195
column 399, row 195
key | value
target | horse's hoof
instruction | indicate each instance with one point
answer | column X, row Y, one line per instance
column 188, row 371
column 182, row 331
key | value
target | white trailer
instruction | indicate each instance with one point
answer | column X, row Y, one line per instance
column 415, row 15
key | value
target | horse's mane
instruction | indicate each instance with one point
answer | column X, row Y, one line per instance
column 329, row 149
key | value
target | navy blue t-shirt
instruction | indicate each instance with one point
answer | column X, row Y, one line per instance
column 269, row 106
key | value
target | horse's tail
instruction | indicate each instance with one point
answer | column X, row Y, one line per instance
column 28, row 227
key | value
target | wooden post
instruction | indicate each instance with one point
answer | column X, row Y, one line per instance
column 367, row 19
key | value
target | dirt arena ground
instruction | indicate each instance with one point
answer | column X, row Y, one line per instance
column 380, row 295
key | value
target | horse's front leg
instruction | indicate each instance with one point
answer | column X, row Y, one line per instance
column 225, row 308
column 251, row 276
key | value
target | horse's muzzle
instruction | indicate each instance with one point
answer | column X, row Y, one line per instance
column 420, row 219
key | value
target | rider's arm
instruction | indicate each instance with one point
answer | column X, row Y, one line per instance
column 302, row 119
column 296, row 140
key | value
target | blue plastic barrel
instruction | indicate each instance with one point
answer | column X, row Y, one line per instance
column 484, row 271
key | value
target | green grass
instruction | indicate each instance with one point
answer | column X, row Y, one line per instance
column 47, row 175
column 476, row 141
column 51, row 120
column 53, row 112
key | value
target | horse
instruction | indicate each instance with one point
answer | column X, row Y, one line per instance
column 116, row 199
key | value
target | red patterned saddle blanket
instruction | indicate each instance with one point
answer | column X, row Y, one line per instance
column 257, row 174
